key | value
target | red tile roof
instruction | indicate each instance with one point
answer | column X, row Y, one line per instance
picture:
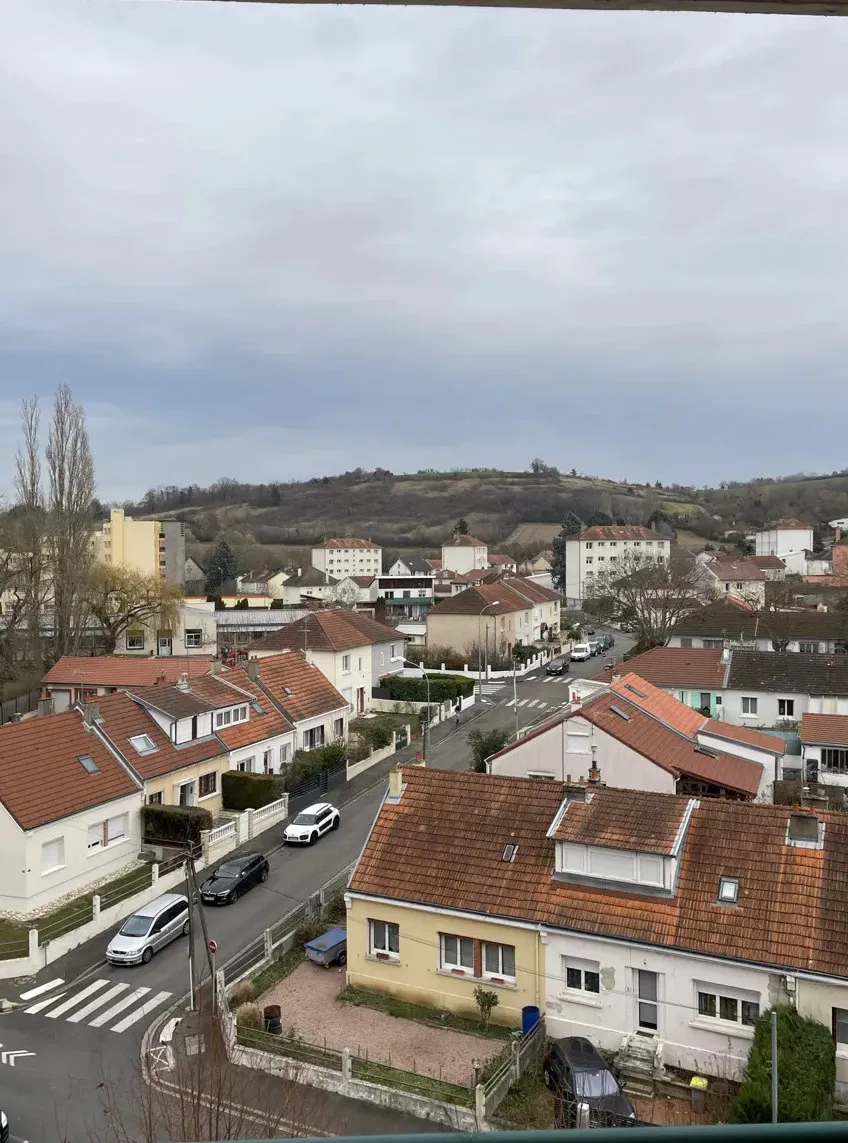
column 347, row 542
column 619, row 532
column 624, row 819
column 825, row 729
column 41, row 777
column 729, row 569
column 123, row 718
column 465, row 541
column 768, row 562
column 258, row 727
column 640, row 692
column 683, row 667
column 504, row 597
column 298, row 688
column 124, row 670
column 442, row 845
column 499, row 558
column 326, row 631
column 747, row 737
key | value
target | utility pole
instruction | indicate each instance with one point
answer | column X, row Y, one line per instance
column 515, row 695
column 773, row 1066
column 209, row 956
column 190, row 895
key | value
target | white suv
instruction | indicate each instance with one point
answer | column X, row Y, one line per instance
column 312, row 823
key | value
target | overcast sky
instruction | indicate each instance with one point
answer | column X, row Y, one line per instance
column 275, row 242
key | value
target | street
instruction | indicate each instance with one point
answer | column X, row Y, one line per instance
column 83, row 1019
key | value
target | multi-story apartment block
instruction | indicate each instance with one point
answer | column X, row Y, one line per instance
column 348, row 556
column 594, row 549
column 151, row 547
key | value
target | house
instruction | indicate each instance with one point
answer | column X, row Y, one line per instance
column 773, row 688
column 267, row 582
column 355, row 591
column 69, row 812
column 595, row 548
column 640, row 739
column 194, row 574
column 351, row 649
column 264, row 742
column 503, row 563
column 695, row 677
column 406, row 596
column 638, row 919
column 834, row 575
column 464, row 554
column 196, row 634
column 824, row 749
column 772, row 567
column 728, row 624
column 306, row 584
column 77, row 678
column 348, row 556
column 782, row 537
column 304, row 696
column 737, row 577
column 150, row 547
column 497, row 615
column 542, row 562
column 410, row 565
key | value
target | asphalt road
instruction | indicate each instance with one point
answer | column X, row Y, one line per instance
column 55, row 1094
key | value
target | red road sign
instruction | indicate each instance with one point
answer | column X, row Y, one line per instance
column 213, row 947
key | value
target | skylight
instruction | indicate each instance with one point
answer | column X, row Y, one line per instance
column 621, row 714
column 728, row 890
column 510, row 853
column 630, row 687
column 143, row 744
column 287, row 690
column 706, row 750
column 88, row 764
column 257, row 707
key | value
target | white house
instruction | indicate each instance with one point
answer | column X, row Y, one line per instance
column 729, row 576
column 196, row 633
column 69, row 813
column 824, row 749
column 410, row 565
column 76, row 678
column 782, row 537
column 595, row 549
column 302, row 693
column 727, row 624
column 464, row 554
column 775, row 688
column 265, row 582
column 348, row 556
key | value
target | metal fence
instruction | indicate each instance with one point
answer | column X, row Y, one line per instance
column 23, row 704
column 292, row 1047
column 517, row 1057
column 128, row 887
column 305, row 791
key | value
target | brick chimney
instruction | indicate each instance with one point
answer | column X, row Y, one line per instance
column 252, row 669
column 91, row 713
column 839, row 555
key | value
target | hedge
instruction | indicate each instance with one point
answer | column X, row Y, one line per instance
column 806, row 1064
column 442, row 688
column 305, row 763
column 243, row 791
column 174, row 824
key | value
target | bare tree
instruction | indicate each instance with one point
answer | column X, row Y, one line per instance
column 28, row 539
column 340, row 597
column 122, row 600
column 647, row 592
column 70, row 475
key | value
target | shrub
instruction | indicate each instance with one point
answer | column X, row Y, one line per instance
column 306, row 763
column 308, row 931
column 442, row 688
column 243, row 791
column 174, row 824
column 485, row 743
column 243, row 993
column 250, row 1016
column 806, row 1059
column 486, row 1001
column 377, row 734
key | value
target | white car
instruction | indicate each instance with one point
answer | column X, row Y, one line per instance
column 580, row 652
column 312, row 823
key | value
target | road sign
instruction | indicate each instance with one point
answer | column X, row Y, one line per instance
column 9, row 1056
column 213, row 947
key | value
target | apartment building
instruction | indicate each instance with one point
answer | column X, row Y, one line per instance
column 151, row 547
column 594, row 549
column 348, row 555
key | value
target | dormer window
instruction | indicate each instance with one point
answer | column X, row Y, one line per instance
column 728, row 890
column 805, row 831
column 603, row 863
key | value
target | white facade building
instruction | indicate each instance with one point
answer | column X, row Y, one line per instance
column 595, row 549
column 782, row 538
column 464, row 554
column 348, row 556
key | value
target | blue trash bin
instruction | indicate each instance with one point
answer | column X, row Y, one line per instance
column 529, row 1018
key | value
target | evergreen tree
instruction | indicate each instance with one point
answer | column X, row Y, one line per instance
column 222, row 566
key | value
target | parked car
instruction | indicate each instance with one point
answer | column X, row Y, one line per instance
column 580, row 652
column 312, row 823
column 558, row 666
column 149, row 929
column 580, row 1077
column 595, row 646
column 608, row 641
column 233, row 878
column 4, row 1128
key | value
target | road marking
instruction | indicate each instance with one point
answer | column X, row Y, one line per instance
column 42, row 1004
column 137, row 1014
column 33, row 992
column 10, row 1055
column 523, row 702
column 167, row 1033
column 534, row 702
column 75, row 1000
column 97, row 1002
column 106, row 1016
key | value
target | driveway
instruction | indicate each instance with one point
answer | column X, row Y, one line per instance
column 308, row 1006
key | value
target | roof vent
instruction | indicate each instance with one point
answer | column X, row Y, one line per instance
column 510, row 853
column 621, row 714
column 803, row 828
column 706, row 750
column 630, row 687
column 182, row 682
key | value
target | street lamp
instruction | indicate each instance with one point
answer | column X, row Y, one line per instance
column 494, row 603
column 426, row 727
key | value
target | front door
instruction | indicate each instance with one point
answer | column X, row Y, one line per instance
column 187, row 797
column 647, row 1014
column 165, row 646
column 360, row 700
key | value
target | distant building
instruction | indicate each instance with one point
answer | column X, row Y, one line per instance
column 594, row 549
column 464, row 554
column 348, row 556
column 150, row 547
column 783, row 537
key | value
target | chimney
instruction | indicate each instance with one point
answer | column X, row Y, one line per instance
column 395, row 782
column 182, row 682
column 91, row 713
column 45, row 707
column 838, row 536
column 594, row 772
column 252, row 669
column 839, row 556
column 215, row 667
column 725, row 655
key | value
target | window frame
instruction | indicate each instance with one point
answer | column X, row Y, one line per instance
column 840, row 1016
column 57, row 865
column 502, row 976
column 752, row 702
column 132, row 638
column 456, row 967
column 579, row 968
column 201, row 793
column 724, row 1000
column 383, row 950
column 786, row 708
column 193, row 637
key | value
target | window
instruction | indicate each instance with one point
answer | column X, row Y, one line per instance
column 284, row 753
column 581, row 975
column 588, row 544
column 457, row 954
column 52, row 855
column 808, row 648
column 88, row 764
column 727, row 1005
column 589, row 560
column 840, row 1027
column 786, row 708
column 394, row 650
column 154, row 799
column 749, row 705
column 384, row 939
column 245, row 766
column 268, row 761
column 833, row 760
column 313, row 738
column 712, row 644
column 728, row 890
column 135, row 640
column 193, row 638
column 116, row 829
column 499, row 961
column 143, row 744
column 338, row 728
column 207, row 784
column 345, row 663
column 222, row 718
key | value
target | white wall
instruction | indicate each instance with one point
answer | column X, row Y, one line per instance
column 766, row 708
column 781, row 541
column 27, row 886
column 811, row 752
column 690, row 1041
column 460, row 558
column 255, row 753
column 339, row 562
column 331, row 664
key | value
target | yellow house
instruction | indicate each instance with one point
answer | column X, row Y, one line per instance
column 432, row 931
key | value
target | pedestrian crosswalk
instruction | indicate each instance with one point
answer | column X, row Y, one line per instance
column 533, row 704
column 103, row 1000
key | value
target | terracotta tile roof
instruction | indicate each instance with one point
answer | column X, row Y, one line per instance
column 122, row 717
column 786, row 525
column 309, row 577
column 442, row 845
column 624, row 819
column 744, row 571
column 768, row 562
column 788, row 671
column 363, row 580
column 640, row 692
column 476, row 575
column 682, row 667
column 825, row 729
column 499, row 558
column 535, row 592
column 747, row 737
column 178, row 703
column 498, row 599
column 41, row 777
column 347, row 542
column 124, row 670
column 465, row 541
column 435, row 564
column 239, row 688
column 318, row 631
column 619, row 532
column 300, row 690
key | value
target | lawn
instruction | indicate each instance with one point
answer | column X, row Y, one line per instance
column 421, row 1013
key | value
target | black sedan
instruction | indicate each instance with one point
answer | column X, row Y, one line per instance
column 233, row 878
column 558, row 666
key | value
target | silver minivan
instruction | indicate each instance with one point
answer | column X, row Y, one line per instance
column 149, row 929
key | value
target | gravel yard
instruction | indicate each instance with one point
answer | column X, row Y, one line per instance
column 307, row 999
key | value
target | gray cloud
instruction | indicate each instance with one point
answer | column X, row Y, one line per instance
column 273, row 240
